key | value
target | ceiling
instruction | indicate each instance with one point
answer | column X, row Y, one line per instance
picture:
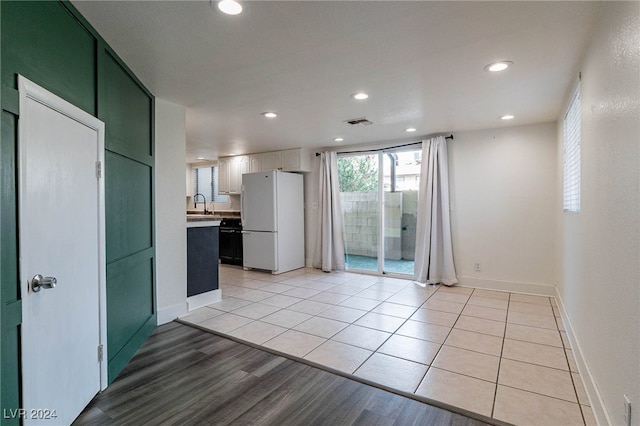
column 420, row 61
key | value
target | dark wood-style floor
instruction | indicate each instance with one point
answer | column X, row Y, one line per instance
column 185, row 376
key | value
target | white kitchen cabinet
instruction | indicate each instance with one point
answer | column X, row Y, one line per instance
column 255, row 163
column 271, row 161
column 238, row 166
column 223, row 175
column 295, row 160
column 231, row 169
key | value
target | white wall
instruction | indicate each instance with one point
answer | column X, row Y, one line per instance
column 171, row 224
column 502, row 185
column 600, row 272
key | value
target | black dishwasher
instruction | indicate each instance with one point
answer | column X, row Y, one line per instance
column 231, row 241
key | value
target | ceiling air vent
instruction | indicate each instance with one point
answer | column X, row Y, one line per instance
column 359, row 121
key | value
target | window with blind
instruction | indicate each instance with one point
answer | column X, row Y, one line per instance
column 205, row 182
column 571, row 159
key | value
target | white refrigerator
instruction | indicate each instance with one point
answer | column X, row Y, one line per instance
column 272, row 209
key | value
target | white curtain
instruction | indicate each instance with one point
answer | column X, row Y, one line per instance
column 329, row 250
column 434, row 252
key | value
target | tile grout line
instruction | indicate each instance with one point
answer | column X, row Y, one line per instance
column 394, row 333
column 405, row 321
column 445, row 339
column 504, row 337
column 542, row 394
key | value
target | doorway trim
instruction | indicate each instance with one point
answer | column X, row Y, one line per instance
column 30, row 90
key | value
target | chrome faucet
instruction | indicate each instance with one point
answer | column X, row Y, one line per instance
column 195, row 203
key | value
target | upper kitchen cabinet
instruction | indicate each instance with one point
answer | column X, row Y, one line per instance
column 290, row 160
column 255, row 163
column 295, row 160
column 230, row 171
column 239, row 166
column 223, row 175
column 271, row 161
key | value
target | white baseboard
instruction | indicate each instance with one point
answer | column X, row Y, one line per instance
column 595, row 398
column 512, row 286
column 169, row 313
column 204, row 299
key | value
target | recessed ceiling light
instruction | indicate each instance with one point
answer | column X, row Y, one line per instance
column 231, row 154
column 498, row 66
column 270, row 114
column 360, row 96
column 230, row 7
column 200, row 158
column 506, row 117
column 338, row 139
column 410, row 129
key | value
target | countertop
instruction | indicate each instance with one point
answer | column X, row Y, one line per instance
column 217, row 214
column 201, row 217
column 202, row 220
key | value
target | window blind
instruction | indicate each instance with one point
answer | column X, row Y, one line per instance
column 571, row 159
column 205, row 181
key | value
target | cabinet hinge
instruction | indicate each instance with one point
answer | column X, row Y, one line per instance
column 99, row 169
column 100, row 353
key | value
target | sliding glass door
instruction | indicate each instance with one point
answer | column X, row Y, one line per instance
column 379, row 192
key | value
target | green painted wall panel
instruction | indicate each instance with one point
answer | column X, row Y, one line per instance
column 129, row 301
column 8, row 210
column 9, row 306
column 117, row 363
column 10, row 368
column 128, row 195
column 126, row 109
column 49, row 47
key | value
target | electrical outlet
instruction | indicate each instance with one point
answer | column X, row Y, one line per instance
column 627, row 411
column 476, row 267
column 314, row 205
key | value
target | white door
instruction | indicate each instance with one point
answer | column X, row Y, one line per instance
column 258, row 200
column 61, row 228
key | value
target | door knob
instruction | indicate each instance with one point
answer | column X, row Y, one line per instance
column 38, row 282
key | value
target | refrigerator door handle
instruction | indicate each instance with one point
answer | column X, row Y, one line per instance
column 242, row 214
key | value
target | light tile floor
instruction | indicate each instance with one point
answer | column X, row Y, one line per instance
column 503, row 355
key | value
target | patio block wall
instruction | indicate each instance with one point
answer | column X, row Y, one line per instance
column 361, row 223
column 393, row 225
